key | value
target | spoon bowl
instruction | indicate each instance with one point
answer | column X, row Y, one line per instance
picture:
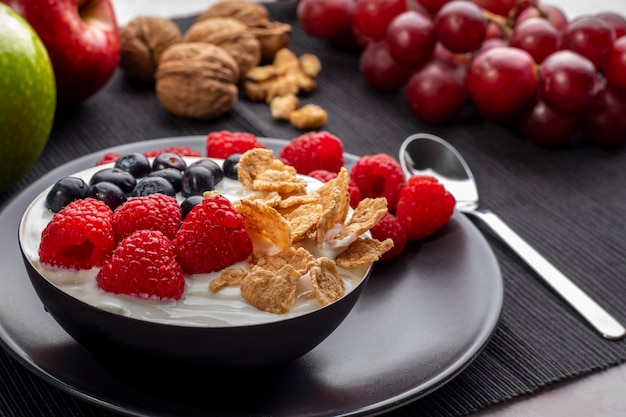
column 426, row 154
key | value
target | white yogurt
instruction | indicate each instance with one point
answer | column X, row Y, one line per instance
column 198, row 306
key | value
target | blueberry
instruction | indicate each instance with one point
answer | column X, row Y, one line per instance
column 196, row 181
column 119, row 177
column 169, row 160
column 64, row 191
column 135, row 163
column 173, row 175
column 152, row 185
column 230, row 166
column 109, row 193
column 213, row 167
column 189, row 203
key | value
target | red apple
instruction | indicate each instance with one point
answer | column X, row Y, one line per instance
column 82, row 39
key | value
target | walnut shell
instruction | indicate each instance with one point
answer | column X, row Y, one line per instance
column 273, row 36
column 230, row 34
column 197, row 80
column 142, row 41
column 252, row 14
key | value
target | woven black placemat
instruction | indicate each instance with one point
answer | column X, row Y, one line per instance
column 569, row 204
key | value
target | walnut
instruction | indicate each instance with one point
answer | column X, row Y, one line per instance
column 252, row 14
column 197, row 80
column 273, row 36
column 142, row 41
column 230, row 34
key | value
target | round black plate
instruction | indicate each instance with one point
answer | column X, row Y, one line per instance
column 421, row 320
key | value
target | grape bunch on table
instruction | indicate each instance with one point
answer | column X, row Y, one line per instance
column 519, row 63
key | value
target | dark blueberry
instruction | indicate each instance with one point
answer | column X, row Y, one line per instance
column 171, row 174
column 169, row 160
column 230, row 166
column 153, row 185
column 109, row 193
column 196, row 181
column 64, row 191
column 119, row 177
column 212, row 166
column 189, row 203
column 135, row 163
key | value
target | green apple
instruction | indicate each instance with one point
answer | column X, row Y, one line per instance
column 27, row 96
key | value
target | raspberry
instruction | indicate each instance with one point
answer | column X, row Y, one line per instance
column 143, row 265
column 353, row 189
column 224, row 143
column 79, row 236
column 379, row 175
column 108, row 158
column 212, row 237
column 178, row 150
column 424, row 207
column 152, row 212
column 312, row 151
column 389, row 227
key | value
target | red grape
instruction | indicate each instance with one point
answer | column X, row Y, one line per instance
column 325, row 19
column 411, row 38
column 501, row 7
column 437, row 92
column 553, row 14
column 501, row 81
column 544, row 127
column 461, row 26
column 380, row 70
column 566, row 81
column 371, row 17
column 536, row 36
column 616, row 21
column 604, row 118
column 615, row 64
column 590, row 36
column 433, row 6
column 444, row 54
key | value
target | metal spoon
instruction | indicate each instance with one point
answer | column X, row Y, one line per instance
column 425, row 154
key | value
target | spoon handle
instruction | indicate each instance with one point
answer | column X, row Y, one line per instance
column 604, row 323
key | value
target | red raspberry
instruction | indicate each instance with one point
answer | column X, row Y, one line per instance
column 108, row 158
column 379, row 175
column 224, row 143
column 353, row 189
column 424, row 207
column 79, row 236
column 152, row 212
column 212, row 237
column 177, row 149
column 389, row 227
column 143, row 265
column 312, row 151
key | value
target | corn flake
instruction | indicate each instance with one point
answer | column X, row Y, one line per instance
column 271, row 291
column 363, row 250
column 230, row 277
column 326, row 281
column 264, row 222
column 365, row 216
column 300, row 258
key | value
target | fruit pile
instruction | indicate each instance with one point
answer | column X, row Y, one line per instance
column 518, row 62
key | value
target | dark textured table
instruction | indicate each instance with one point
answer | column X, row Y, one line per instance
column 569, row 204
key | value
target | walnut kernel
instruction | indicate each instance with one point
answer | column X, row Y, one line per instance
column 197, row 80
column 308, row 117
column 142, row 41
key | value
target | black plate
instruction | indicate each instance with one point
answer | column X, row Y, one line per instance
column 421, row 320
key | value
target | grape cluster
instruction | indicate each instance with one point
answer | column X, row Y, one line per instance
column 518, row 62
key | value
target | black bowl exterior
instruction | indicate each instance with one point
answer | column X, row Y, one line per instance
column 252, row 347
